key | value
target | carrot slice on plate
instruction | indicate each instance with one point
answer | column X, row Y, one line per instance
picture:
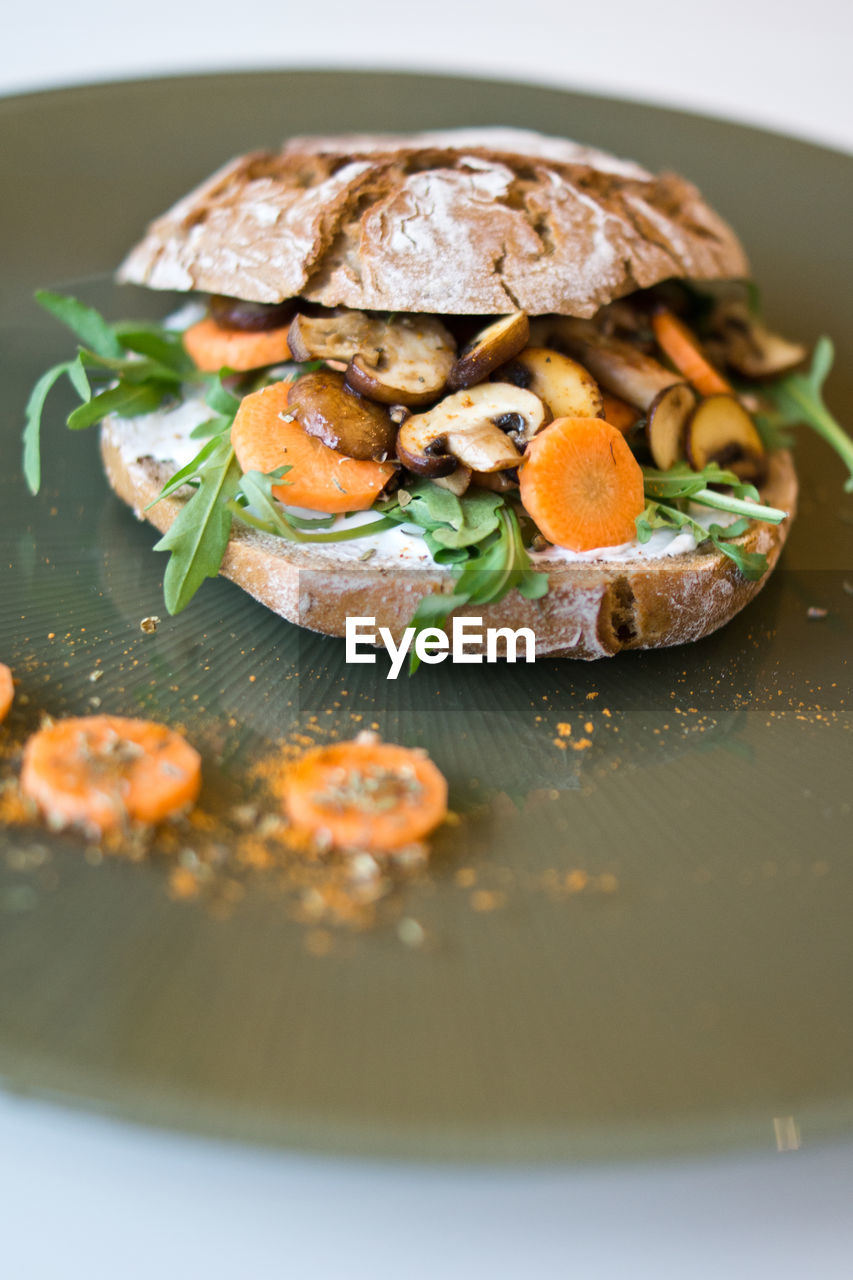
column 213, row 346
column 676, row 340
column 365, row 795
column 7, row 691
column 99, row 771
column 320, row 477
column 582, row 485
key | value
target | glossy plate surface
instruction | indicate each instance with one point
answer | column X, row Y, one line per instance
column 637, row 940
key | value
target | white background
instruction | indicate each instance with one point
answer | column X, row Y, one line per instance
column 85, row 1197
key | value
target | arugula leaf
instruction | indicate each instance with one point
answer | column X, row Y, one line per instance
column 85, row 322
column 220, row 399
column 658, row 515
column 32, row 429
column 129, row 368
column 163, row 345
column 256, row 491
column 798, row 398
column 681, row 483
column 498, row 565
column 199, row 535
column 128, row 400
column 449, row 521
column 191, row 472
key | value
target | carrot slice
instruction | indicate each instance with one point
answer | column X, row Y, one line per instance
column 676, row 340
column 582, row 485
column 7, row 691
column 619, row 413
column 213, row 346
column 365, row 795
column 320, row 478
column 98, row 771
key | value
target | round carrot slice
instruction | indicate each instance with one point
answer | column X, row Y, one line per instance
column 7, row 691
column 213, row 346
column 582, row 485
column 98, row 771
column 320, row 478
column 365, row 795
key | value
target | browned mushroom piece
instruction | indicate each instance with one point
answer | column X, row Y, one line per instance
column 327, row 408
column 400, row 361
column 616, row 365
column 332, row 335
column 250, row 317
column 489, row 349
column 748, row 347
column 567, row 388
column 497, row 481
column 666, row 427
column 425, row 457
column 720, row 430
column 484, row 428
column 456, row 482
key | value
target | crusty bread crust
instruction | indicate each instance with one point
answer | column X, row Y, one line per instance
column 477, row 221
column 592, row 609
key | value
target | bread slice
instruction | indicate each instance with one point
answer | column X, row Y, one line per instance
column 475, row 221
column 593, row 609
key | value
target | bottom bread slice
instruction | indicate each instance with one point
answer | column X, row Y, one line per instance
column 593, row 609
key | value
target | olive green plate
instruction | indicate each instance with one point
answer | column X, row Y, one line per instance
column 650, row 946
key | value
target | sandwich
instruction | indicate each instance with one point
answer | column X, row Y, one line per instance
column 479, row 372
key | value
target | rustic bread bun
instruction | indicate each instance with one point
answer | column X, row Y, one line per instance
column 477, row 221
column 592, row 609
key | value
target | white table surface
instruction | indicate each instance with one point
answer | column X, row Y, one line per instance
column 81, row 1196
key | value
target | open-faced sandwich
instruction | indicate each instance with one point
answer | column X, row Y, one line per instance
column 481, row 372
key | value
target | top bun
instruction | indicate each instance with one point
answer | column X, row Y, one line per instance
column 472, row 221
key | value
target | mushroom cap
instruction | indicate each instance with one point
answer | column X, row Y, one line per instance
column 482, row 221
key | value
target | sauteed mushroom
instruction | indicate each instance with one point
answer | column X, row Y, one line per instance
column 326, row 407
column 666, row 427
column 400, row 361
column 566, row 387
column 488, row 349
column 722, row 431
column 484, row 428
column 748, row 347
column 618, row 366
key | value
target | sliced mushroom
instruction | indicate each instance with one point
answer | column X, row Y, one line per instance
column 497, row 481
column 489, row 349
column 401, row 361
column 722, row 431
column 250, row 317
column 667, row 424
column 748, row 347
column 484, row 428
column 457, row 482
column 616, row 365
column 327, row 408
column 566, row 387
column 334, row 335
